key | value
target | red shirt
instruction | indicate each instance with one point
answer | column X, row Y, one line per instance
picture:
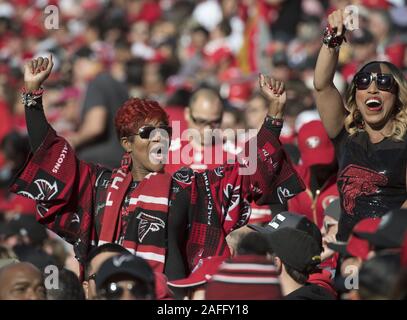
column 313, row 207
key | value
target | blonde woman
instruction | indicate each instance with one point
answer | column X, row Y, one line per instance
column 368, row 132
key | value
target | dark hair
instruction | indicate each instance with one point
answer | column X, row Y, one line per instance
column 253, row 243
column 225, row 27
column 378, row 276
column 179, row 98
column 69, row 287
column 200, row 29
column 15, row 147
column 107, row 247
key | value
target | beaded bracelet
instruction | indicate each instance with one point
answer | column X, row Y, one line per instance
column 29, row 98
column 331, row 39
column 274, row 121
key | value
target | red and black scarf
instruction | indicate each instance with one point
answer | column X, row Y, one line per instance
column 148, row 205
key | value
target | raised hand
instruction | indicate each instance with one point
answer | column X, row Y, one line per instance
column 337, row 20
column 36, row 71
column 274, row 91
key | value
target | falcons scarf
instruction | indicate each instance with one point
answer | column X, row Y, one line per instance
column 148, row 203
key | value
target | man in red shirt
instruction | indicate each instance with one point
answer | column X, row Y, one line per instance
column 196, row 147
column 318, row 170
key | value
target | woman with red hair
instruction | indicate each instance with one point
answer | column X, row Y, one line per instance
column 172, row 221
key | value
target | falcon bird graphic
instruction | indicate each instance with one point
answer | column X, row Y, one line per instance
column 359, row 181
column 148, row 223
column 46, row 191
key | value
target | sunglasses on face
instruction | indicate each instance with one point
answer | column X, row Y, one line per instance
column 203, row 122
column 114, row 291
column 384, row 81
column 146, row 132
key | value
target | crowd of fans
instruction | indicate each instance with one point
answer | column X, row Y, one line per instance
column 188, row 55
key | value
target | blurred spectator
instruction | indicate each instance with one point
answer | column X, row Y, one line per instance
column 104, row 95
column 57, row 250
column 95, row 259
column 390, row 231
column 296, row 255
column 21, row 281
column 318, row 171
column 125, row 277
column 14, row 149
column 249, row 276
column 376, row 276
column 69, row 287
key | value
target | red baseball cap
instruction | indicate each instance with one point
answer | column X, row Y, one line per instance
column 314, row 144
column 201, row 274
column 357, row 247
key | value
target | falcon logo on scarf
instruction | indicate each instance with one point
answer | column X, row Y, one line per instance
column 182, row 176
column 148, row 223
column 231, row 200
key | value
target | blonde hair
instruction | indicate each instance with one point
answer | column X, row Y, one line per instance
column 354, row 121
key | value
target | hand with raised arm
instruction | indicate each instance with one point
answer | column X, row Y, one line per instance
column 328, row 99
column 274, row 91
column 36, row 71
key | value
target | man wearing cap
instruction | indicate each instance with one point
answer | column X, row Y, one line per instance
column 125, row 277
column 354, row 252
column 318, row 171
column 296, row 255
column 389, row 233
column 290, row 220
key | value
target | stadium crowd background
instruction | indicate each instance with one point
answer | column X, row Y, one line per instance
column 164, row 50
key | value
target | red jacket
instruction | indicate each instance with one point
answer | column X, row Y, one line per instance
column 313, row 207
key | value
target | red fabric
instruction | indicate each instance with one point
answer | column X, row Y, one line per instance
column 201, row 274
column 303, row 202
column 395, row 52
column 358, row 247
column 18, row 204
column 314, row 144
column 247, row 277
column 403, row 255
column 5, row 120
column 324, row 280
column 162, row 291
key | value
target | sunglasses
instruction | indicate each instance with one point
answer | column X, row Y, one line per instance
column 203, row 122
column 384, row 81
column 146, row 131
column 114, row 291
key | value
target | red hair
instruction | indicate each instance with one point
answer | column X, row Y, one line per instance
column 134, row 113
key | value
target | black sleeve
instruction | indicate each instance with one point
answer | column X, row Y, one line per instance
column 175, row 263
column 37, row 125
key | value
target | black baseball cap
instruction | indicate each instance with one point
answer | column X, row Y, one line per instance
column 292, row 220
column 27, row 225
column 127, row 264
column 391, row 230
column 295, row 248
column 334, row 210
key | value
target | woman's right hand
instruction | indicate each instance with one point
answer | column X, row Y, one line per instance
column 337, row 20
column 36, row 71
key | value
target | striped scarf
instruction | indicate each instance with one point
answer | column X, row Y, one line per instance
column 148, row 206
